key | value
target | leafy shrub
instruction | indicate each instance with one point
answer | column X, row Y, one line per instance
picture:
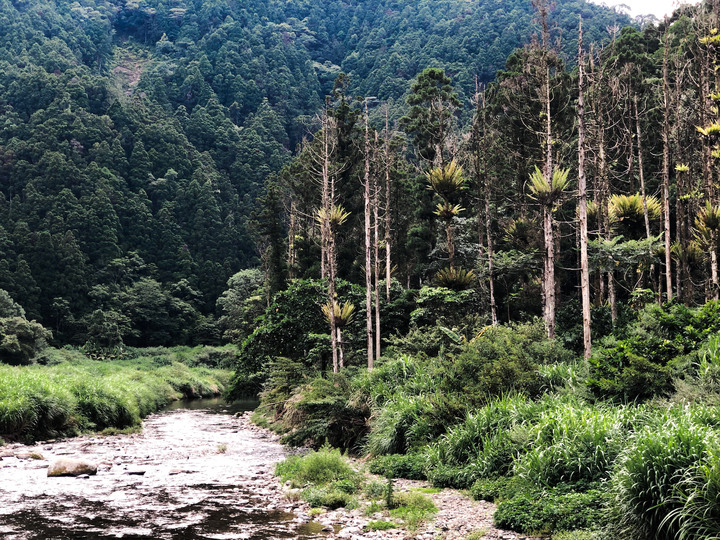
column 409, row 466
column 641, row 364
column 321, row 412
column 327, row 496
column 494, row 489
column 21, row 340
column 550, row 510
column 501, row 360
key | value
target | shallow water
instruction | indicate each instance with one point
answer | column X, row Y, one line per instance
column 191, row 473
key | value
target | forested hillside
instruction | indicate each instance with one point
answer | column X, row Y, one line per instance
column 136, row 136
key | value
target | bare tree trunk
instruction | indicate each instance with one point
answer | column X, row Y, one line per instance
column 331, row 298
column 582, row 195
column 368, row 247
column 326, row 199
column 549, row 277
column 488, row 218
column 666, row 171
column 376, row 259
column 292, row 232
column 387, row 205
column 643, row 194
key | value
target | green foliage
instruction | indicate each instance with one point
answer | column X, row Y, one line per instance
column 21, row 341
column 380, row 525
column 413, row 508
column 538, row 512
column 78, row 394
column 327, row 478
column 409, row 466
column 576, row 443
column 666, row 482
column 495, row 489
column 641, row 365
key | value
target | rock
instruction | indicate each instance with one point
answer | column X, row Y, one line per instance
column 349, row 532
column 71, row 467
column 135, row 472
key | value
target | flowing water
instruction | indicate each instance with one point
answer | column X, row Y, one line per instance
column 193, row 473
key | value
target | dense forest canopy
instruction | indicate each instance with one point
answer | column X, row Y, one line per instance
column 136, row 137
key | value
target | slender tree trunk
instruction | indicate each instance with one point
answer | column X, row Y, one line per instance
column 450, row 242
column 582, row 195
column 331, row 298
column 387, row 205
column 326, row 198
column 643, row 194
column 368, row 247
column 488, row 217
column 666, row 171
column 292, row 232
column 376, row 258
column 549, row 277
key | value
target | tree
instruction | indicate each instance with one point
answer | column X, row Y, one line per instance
column 432, row 107
column 548, row 193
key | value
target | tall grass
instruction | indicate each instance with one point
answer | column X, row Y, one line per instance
column 574, row 441
column 77, row 394
column 668, row 479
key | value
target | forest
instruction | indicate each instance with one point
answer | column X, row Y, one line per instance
column 474, row 242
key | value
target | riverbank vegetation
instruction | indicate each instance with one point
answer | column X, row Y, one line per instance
column 70, row 393
column 516, row 419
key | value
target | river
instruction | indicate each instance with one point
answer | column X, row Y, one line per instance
column 194, row 472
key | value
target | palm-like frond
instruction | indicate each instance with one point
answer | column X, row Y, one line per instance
column 447, row 211
column 336, row 216
column 630, row 208
column 520, row 232
column 707, row 226
column 548, row 192
column 343, row 314
column 446, row 180
column 456, row 279
column 712, row 129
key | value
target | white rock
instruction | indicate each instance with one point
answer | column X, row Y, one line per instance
column 71, row 467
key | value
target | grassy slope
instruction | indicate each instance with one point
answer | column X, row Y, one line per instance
column 75, row 393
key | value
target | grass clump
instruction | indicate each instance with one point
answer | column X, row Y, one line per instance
column 325, row 476
column 668, row 480
column 413, row 508
column 380, row 525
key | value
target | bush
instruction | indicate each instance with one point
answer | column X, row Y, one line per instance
column 413, row 508
column 540, row 512
column 410, row 466
column 21, row 340
column 327, row 496
column 495, row 489
column 641, row 364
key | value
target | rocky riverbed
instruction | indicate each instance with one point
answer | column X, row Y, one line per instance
column 189, row 474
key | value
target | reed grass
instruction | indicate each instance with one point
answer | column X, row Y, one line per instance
column 75, row 394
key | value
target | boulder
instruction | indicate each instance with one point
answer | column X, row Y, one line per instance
column 71, row 467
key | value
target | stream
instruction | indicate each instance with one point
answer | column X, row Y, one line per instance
column 195, row 472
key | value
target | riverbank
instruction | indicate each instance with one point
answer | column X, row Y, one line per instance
column 73, row 394
column 190, row 474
